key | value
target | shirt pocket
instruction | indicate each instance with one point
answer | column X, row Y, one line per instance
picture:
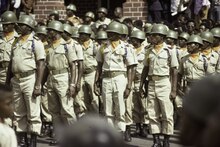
column 28, row 51
column 163, row 60
column 60, row 57
column 120, row 55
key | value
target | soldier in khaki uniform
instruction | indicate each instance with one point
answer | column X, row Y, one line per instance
column 54, row 15
column 102, row 19
column 89, row 20
column 211, row 56
column 193, row 66
column 61, row 77
column 71, row 17
column 182, row 42
column 216, row 42
column 171, row 41
column 89, row 101
column 101, row 38
column 41, row 33
column 26, row 70
column 139, row 113
column 9, row 35
column 114, row 75
column 160, row 66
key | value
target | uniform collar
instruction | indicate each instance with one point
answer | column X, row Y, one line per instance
column 87, row 44
column 217, row 48
column 158, row 48
column 10, row 36
column 115, row 44
column 139, row 50
column 195, row 57
column 207, row 52
column 58, row 42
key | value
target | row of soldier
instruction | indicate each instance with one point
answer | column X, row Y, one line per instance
column 134, row 77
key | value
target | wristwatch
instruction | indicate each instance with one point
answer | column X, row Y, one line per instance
column 73, row 85
column 37, row 87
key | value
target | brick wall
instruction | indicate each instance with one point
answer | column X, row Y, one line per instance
column 136, row 9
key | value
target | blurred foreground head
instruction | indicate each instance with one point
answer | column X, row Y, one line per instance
column 201, row 118
column 91, row 131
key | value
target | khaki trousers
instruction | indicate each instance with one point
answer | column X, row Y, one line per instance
column 44, row 107
column 113, row 100
column 160, row 107
column 26, row 108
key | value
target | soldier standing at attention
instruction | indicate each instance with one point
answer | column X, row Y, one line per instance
column 207, row 52
column 140, row 115
column 102, row 19
column 9, row 35
column 182, row 42
column 216, row 42
column 41, row 33
column 160, row 65
column 87, row 96
column 61, row 77
column 71, row 17
column 114, row 77
column 25, row 73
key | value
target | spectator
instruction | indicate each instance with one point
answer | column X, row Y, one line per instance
column 118, row 14
column 203, row 27
column 201, row 8
column 215, row 10
column 138, row 24
column 155, row 11
column 8, row 138
column 191, row 27
column 28, row 6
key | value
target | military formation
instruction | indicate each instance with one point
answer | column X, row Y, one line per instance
column 62, row 70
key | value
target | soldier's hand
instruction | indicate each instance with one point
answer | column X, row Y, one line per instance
column 72, row 91
column 173, row 95
column 36, row 93
column 127, row 92
column 97, row 90
column 78, row 87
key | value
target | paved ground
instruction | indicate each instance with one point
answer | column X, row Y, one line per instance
column 136, row 142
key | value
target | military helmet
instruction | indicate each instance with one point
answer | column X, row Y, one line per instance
column 125, row 29
column 85, row 29
column 90, row 14
column 41, row 30
column 92, row 36
column 148, row 28
column 195, row 39
column 54, row 12
column 216, row 32
column 207, row 36
column 159, row 29
column 101, row 35
column 184, row 35
column 138, row 34
column 71, row 7
column 68, row 28
column 8, row 17
column 115, row 27
column 103, row 10
column 172, row 34
column 55, row 25
column 27, row 20
column 75, row 33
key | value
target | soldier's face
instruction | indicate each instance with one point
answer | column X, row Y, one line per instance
column 100, row 14
column 6, row 107
column 170, row 41
column 69, row 13
column 216, row 41
column 7, row 28
column 156, row 39
column 52, row 33
column 102, row 41
column 193, row 47
column 118, row 12
column 84, row 37
column 206, row 45
column 113, row 36
column 24, row 29
column 190, row 26
column 182, row 42
column 149, row 38
column 202, row 28
column 135, row 42
column 42, row 37
column 87, row 19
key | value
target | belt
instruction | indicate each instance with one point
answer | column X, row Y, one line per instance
column 157, row 78
column 89, row 70
column 24, row 74
column 112, row 74
column 4, row 64
column 57, row 72
column 190, row 83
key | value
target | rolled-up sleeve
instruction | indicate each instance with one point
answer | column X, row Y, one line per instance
column 39, row 50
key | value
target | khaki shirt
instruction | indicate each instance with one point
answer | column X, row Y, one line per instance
column 161, row 62
column 60, row 57
column 107, row 21
column 182, row 53
column 193, row 70
column 213, row 62
column 8, row 137
column 117, row 59
column 140, row 58
column 5, row 47
column 89, row 54
column 25, row 55
column 78, row 48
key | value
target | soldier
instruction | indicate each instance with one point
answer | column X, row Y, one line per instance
column 207, row 52
column 118, row 14
column 160, row 65
column 9, row 35
column 25, row 73
column 139, row 104
column 101, row 38
column 171, row 40
column 75, row 34
column 71, row 17
column 41, row 33
column 102, row 19
column 54, row 15
column 89, row 20
column 60, row 76
column 115, row 62
column 216, row 42
column 193, row 66
column 182, row 42
column 87, row 96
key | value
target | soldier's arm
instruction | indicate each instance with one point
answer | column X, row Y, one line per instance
column 98, row 80
column 143, row 77
column 173, row 74
column 9, row 74
column 45, row 75
column 73, row 72
column 80, row 72
column 40, row 72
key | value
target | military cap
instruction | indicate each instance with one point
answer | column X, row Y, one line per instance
column 184, row 35
column 54, row 12
column 55, row 25
column 138, row 34
column 68, row 28
column 216, row 32
column 159, row 29
column 172, row 34
column 27, row 20
column 41, row 30
column 92, row 35
column 75, row 32
column 195, row 39
column 101, row 35
column 207, row 36
column 71, row 7
column 115, row 27
column 90, row 14
column 8, row 17
column 125, row 29
column 85, row 29
column 103, row 10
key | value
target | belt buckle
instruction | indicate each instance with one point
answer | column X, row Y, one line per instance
column 113, row 74
column 155, row 78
